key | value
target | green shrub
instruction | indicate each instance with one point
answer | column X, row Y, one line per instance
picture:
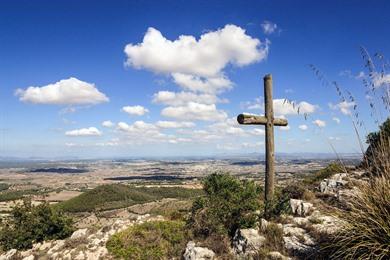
column 150, row 240
column 29, row 224
column 4, row 186
column 229, row 204
column 377, row 156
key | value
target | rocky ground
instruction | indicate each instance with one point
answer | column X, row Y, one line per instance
column 301, row 230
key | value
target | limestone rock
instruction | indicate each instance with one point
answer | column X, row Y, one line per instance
column 194, row 252
column 300, row 207
column 30, row 257
column 79, row 234
column 247, row 241
column 333, row 183
column 9, row 255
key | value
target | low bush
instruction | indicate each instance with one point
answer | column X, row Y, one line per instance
column 29, row 224
column 150, row 240
column 229, row 204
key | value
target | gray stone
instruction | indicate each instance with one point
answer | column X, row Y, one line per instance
column 194, row 252
column 247, row 241
column 79, row 234
column 300, row 207
column 9, row 255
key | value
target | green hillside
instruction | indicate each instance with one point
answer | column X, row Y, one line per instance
column 118, row 196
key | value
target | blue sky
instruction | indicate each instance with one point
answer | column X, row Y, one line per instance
column 117, row 78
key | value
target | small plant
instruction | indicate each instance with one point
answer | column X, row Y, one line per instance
column 29, row 224
column 229, row 204
column 150, row 240
column 273, row 241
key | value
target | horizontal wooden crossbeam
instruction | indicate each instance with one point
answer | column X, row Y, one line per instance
column 245, row 119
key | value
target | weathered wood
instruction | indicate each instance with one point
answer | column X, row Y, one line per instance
column 269, row 121
column 269, row 140
column 245, row 119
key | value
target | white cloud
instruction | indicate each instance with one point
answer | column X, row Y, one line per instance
column 380, row 79
column 205, row 57
column 257, row 131
column 107, row 123
column 135, row 110
column 199, row 84
column 64, row 92
column 269, row 27
column 195, row 111
column 182, row 98
column 303, row 127
column 174, row 124
column 344, row 107
column 336, row 119
column 91, row 131
column 284, row 128
column 334, row 138
column 283, row 108
column 360, row 75
column 319, row 123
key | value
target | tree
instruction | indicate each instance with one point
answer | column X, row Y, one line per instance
column 377, row 156
column 29, row 224
column 229, row 204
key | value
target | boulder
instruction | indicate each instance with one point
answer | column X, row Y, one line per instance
column 333, row 183
column 300, row 208
column 194, row 252
column 275, row 255
column 247, row 241
column 79, row 234
column 11, row 254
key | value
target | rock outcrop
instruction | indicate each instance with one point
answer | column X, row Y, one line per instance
column 247, row 241
column 194, row 252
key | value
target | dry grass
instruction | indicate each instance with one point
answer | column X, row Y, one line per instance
column 366, row 232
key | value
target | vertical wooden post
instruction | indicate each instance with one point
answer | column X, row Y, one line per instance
column 269, row 142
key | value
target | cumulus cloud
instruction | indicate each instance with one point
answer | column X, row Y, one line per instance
column 107, row 123
column 282, row 107
column 336, row 119
column 181, row 98
column 135, row 110
column 91, row 131
column 195, row 111
column 199, row 84
column 303, row 127
column 174, row 124
column 70, row 91
column 204, row 57
column 319, row 123
column 269, row 27
column 344, row 107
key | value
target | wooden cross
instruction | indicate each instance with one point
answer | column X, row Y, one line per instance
column 269, row 121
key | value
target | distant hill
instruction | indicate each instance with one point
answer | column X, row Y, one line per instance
column 114, row 196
